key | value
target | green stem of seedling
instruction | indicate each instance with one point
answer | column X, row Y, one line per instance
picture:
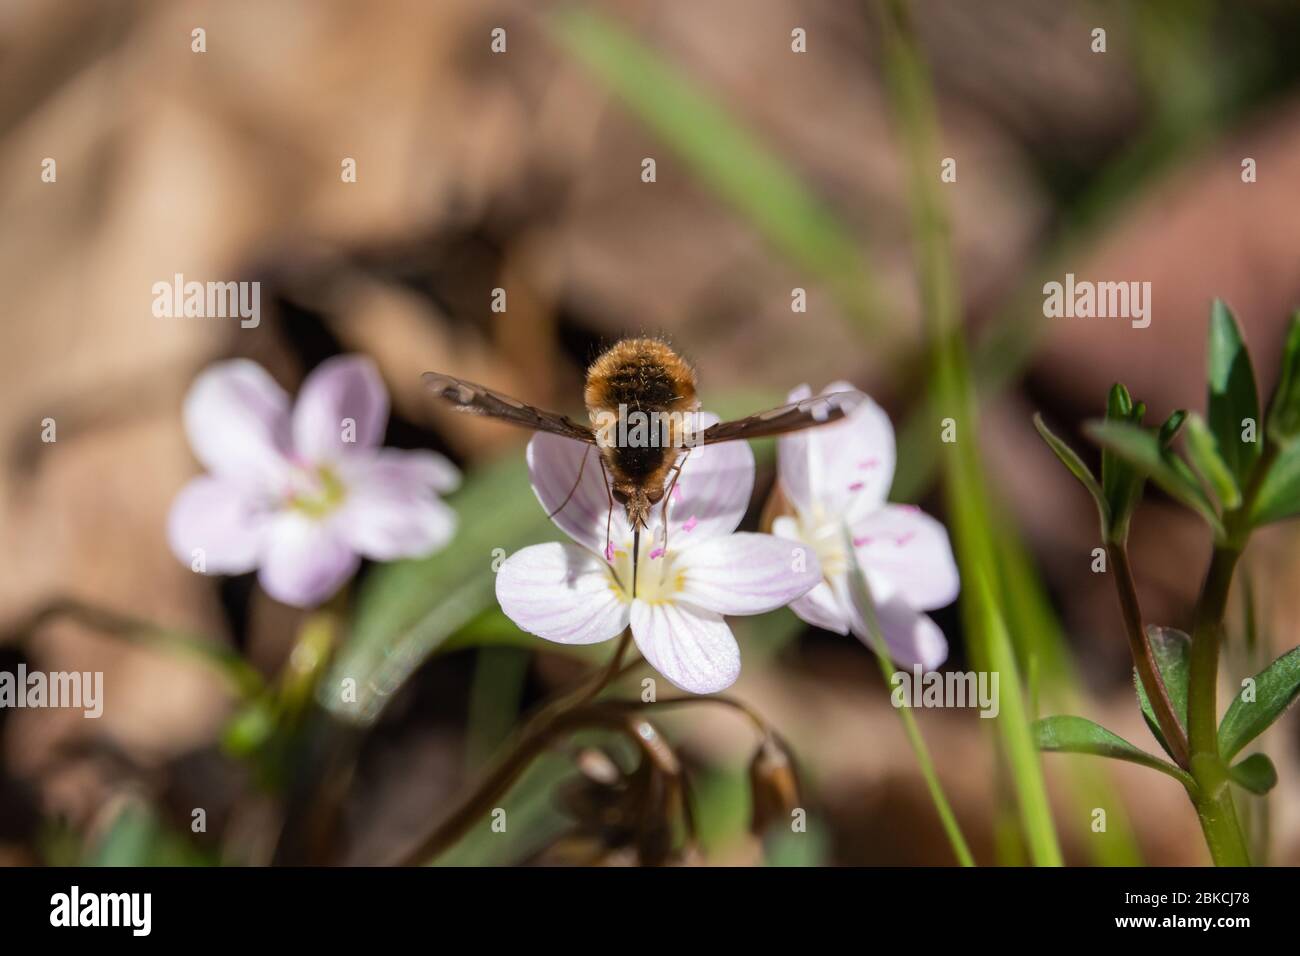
column 1143, row 658
column 1213, row 798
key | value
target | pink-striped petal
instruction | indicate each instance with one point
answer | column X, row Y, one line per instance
column 237, row 420
column 910, row 637
column 554, row 464
column 216, row 526
column 417, row 470
column 304, row 561
column 746, row 573
column 561, row 593
column 820, row 608
column 390, row 510
column 342, row 406
column 845, row 468
column 692, row 647
column 906, row 554
column 712, row 492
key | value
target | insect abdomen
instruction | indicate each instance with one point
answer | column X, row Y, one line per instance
column 647, row 377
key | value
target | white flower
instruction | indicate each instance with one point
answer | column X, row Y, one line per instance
column 840, row 474
column 571, row 594
column 302, row 494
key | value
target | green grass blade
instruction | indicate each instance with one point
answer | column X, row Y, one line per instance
column 724, row 156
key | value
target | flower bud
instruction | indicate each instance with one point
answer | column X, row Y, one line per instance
column 773, row 785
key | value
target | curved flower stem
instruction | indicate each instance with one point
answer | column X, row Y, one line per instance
column 754, row 717
column 1143, row 658
column 242, row 676
column 562, row 716
column 609, row 673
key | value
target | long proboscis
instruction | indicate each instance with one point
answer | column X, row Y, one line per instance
column 636, row 553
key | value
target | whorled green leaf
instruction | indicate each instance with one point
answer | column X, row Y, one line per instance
column 1075, row 465
column 1204, row 452
column 1272, row 690
column 1141, row 449
column 1172, row 651
column 1233, row 398
column 1121, row 484
column 1068, row 734
column 1256, row 773
column 1119, row 408
column 405, row 610
column 1284, row 409
column 1278, row 496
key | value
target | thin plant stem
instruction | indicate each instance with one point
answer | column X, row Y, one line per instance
column 753, row 716
column 242, row 676
column 861, row 595
column 1143, row 657
column 1212, row 797
column 912, row 105
column 923, row 761
column 561, row 716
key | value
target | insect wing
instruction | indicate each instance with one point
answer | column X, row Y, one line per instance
column 818, row 410
column 481, row 400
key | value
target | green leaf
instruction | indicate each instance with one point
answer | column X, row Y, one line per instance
column 1075, row 465
column 1204, row 451
column 1171, row 427
column 1279, row 493
column 536, row 819
column 1256, row 773
column 407, row 609
column 1273, row 691
column 1141, row 449
column 1284, row 409
column 137, row 836
column 1121, row 485
column 1233, row 397
column 1172, row 651
column 1078, row 735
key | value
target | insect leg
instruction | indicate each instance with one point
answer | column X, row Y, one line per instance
column 677, row 473
column 577, row 481
column 609, row 516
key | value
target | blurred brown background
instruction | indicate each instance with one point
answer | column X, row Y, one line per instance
column 477, row 170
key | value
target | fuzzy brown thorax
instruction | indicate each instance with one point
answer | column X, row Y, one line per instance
column 645, row 391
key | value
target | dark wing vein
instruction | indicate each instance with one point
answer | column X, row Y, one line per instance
column 481, row 400
column 819, row 410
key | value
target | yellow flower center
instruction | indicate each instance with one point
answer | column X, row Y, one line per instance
column 320, row 492
column 825, row 536
column 659, row 576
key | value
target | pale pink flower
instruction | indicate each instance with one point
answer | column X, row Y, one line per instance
column 570, row 593
column 840, row 474
column 302, row 494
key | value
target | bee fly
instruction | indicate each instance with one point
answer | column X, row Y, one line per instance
column 641, row 402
